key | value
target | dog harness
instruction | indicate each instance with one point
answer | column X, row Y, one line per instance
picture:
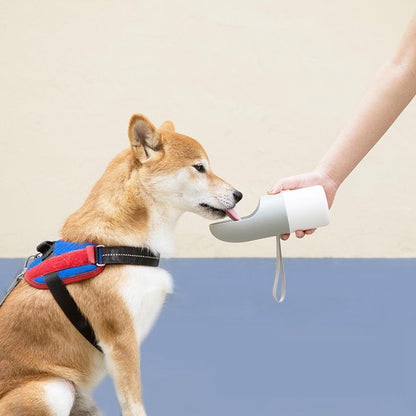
column 60, row 263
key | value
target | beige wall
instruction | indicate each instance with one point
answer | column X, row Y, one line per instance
column 264, row 85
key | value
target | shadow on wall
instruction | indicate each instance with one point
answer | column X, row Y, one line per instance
column 341, row 344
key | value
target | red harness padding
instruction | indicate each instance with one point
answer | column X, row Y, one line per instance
column 69, row 261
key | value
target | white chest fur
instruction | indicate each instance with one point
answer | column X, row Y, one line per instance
column 144, row 290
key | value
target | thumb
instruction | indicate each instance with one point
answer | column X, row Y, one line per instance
column 276, row 188
column 284, row 184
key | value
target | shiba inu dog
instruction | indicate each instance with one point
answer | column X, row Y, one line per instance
column 47, row 368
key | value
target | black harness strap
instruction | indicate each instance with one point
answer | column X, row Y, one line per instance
column 139, row 256
column 67, row 303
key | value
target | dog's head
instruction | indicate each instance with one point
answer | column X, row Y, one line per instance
column 174, row 170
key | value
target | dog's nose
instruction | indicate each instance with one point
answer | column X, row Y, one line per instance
column 237, row 196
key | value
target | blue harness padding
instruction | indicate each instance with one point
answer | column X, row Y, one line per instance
column 67, row 272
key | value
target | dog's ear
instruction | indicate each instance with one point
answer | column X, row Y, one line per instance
column 168, row 126
column 144, row 137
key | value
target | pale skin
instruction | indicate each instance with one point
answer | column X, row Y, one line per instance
column 390, row 92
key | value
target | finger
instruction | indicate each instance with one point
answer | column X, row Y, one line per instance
column 279, row 186
column 300, row 233
column 309, row 232
column 292, row 182
column 275, row 189
column 284, row 237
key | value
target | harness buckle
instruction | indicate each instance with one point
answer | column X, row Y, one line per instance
column 98, row 255
column 94, row 254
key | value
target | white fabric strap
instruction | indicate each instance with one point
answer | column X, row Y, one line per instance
column 280, row 268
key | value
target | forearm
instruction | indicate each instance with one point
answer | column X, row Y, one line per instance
column 391, row 91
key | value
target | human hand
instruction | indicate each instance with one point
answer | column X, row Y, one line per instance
column 302, row 181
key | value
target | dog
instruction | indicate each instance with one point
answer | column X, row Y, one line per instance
column 46, row 367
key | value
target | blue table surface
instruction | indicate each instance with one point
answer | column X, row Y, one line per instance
column 342, row 343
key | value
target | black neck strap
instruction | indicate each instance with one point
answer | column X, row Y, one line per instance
column 139, row 256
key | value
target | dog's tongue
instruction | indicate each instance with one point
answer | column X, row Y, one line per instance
column 233, row 215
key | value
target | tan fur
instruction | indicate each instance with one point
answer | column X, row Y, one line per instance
column 168, row 126
column 26, row 399
column 37, row 342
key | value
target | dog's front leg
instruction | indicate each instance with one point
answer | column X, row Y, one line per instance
column 123, row 327
column 122, row 357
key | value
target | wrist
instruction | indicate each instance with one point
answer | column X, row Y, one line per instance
column 328, row 176
column 329, row 183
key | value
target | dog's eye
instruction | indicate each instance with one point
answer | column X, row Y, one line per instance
column 199, row 167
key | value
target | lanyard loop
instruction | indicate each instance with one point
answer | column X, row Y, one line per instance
column 280, row 269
